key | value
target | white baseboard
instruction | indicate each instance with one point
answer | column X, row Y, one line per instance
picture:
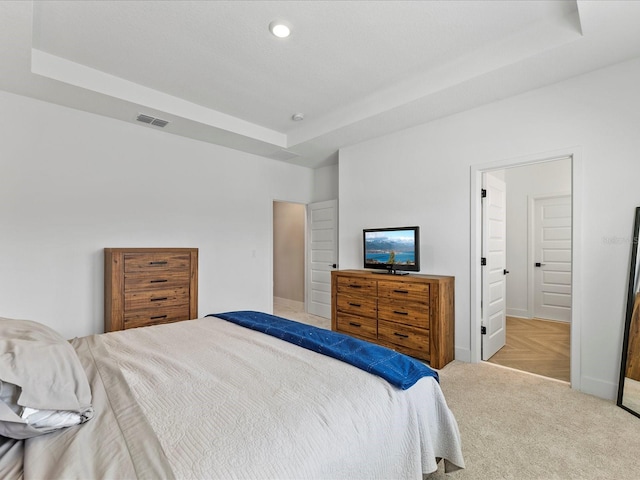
column 462, row 354
column 518, row 312
column 599, row 388
column 524, row 315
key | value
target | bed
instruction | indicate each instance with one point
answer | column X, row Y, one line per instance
column 213, row 398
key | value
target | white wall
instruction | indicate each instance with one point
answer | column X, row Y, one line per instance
column 422, row 176
column 523, row 183
column 72, row 183
column 325, row 185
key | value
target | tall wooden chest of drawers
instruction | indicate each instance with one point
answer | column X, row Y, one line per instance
column 413, row 314
column 148, row 286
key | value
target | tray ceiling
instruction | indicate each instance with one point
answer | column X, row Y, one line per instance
column 355, row 69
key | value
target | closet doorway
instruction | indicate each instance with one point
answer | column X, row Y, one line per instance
column 534, row 267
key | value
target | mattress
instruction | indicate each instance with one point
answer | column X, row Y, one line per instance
column 207, row 398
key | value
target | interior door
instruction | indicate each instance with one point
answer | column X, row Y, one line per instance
column 552, row 258
column 322, row 245
column 494, row 247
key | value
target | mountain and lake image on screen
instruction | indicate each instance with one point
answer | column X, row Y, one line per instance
column 390, row 247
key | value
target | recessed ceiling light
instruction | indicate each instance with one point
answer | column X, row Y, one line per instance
column 297, row 117
column 280, row 29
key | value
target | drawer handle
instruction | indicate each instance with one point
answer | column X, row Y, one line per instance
column 163, row 262
column 158, row 299
column 401, row 291
column 354, row 324
column 158, row 281
column 158, row 317
column 400, row 335
column 400, row 313
column 355, row 304
column 355, row 286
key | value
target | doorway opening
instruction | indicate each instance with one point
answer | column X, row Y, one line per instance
column 538, row 316
column 304, row 253
column 288, row 256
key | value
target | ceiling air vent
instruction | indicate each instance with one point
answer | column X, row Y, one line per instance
column 158, row 122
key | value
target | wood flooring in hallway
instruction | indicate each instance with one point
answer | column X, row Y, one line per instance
column 536, row 346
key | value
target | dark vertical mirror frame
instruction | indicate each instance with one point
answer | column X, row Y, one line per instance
column 628, row 387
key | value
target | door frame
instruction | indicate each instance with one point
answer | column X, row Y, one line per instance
column 575, row 153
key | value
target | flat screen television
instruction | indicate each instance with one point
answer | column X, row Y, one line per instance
column 396, row 250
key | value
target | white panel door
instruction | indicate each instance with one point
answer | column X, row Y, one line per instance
column 552, row 258
column 494, row 247
column 322, row 241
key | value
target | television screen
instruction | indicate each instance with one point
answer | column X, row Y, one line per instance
column 392, row 249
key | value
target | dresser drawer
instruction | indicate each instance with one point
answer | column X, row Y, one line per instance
column 409, row 337
column 157, row 280
column 361, row 306
column 142, row 318
column 409, row 313
column 153, row 299
column 153, row 262
column 359, row 326
column 357, row 286
column 404, row 291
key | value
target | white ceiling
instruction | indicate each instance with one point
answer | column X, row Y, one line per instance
column 355, row 69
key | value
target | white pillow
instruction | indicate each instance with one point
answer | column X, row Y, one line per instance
column 9, row 394
column 43, row 386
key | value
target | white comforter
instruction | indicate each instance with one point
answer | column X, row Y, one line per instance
column 228, row 402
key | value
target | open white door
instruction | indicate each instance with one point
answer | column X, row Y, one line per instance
column 552, row 258
column 322, row 248
column 494, row 246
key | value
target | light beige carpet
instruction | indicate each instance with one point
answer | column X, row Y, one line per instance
column 519, row 426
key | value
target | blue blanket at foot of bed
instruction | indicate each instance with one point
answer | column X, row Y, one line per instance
column 398, row 369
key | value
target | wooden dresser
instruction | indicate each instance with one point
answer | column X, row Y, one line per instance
column 413, row 314
column 148, row 286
